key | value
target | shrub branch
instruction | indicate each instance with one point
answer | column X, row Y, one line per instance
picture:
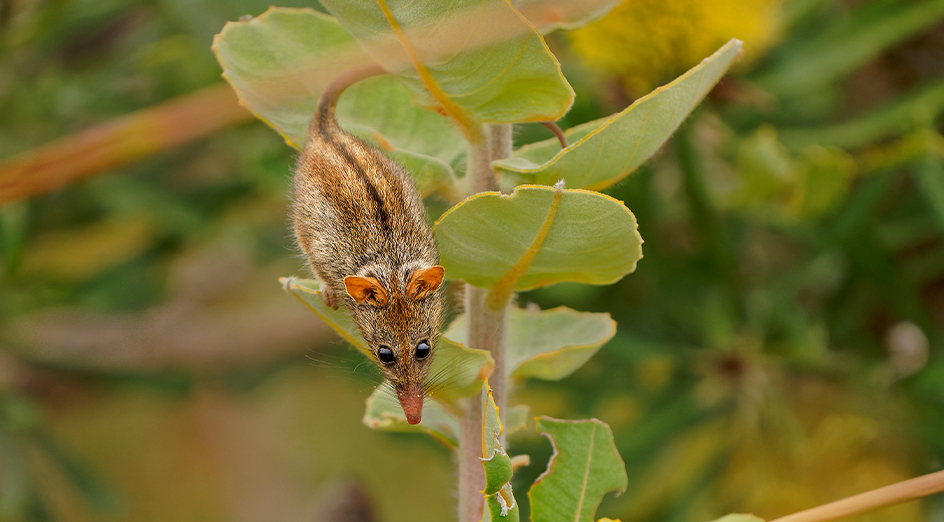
column 905, row 491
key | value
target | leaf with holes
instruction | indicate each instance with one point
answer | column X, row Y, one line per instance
column 604, row 151
column 584, row 467
column 547, row 344
column 538, row 236
column 498, row 468
column 495, row 460
column 456, row 371
column 280, row 62
column 473, row 60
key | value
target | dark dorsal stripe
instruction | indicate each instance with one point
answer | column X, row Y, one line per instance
column 343, row 151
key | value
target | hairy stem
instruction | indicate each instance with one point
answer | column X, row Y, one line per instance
column 471, row 475
column 479, row 169
column 895, row 494
column 500, row 144
column 487, row 331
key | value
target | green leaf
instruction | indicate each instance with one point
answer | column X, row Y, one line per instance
column 501, row 506
column 548, row 344
column 604, row 151
column 431, row 176
column 280, row 62
column 537, row 236
column 385, row 414
column 497, row 465
column 380, row 111
column 457, row 371
column 549, row 15
column 474, row 60
column 498, row 472
column 307, row 291
column 516, row 418
column 585, row 466
column 495, row 460
column 491, row 425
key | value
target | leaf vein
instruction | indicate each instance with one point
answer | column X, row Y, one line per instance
column 586, row 473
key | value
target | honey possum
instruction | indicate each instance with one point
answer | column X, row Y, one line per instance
column 360, row 220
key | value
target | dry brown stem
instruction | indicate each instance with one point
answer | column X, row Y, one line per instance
column 912, row 489
column 120, row 141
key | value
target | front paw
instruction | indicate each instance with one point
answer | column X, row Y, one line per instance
column 329, row 298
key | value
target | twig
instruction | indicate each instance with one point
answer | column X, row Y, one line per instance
column 912, row 489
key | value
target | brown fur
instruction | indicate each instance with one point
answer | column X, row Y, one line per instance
column 358, row 213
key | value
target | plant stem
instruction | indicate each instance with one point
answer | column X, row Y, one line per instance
column 500, row 144
column 471, row 474
column 479, row 169
column 895, row 494
column 487, row 329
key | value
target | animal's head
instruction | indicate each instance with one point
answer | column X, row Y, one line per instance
column 399, row 315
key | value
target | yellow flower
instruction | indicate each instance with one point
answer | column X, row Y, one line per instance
column 648, row 41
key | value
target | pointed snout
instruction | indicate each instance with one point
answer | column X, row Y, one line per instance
column 411, row 400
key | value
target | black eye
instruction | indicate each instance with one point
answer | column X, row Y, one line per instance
column 385, row 354
column 422, row 349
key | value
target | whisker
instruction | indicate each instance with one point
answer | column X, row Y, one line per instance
column 445, row 373
column 347, row 365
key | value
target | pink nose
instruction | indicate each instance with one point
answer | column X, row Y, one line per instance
column 412, row 404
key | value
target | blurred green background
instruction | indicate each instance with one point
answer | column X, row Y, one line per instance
column 779, row 346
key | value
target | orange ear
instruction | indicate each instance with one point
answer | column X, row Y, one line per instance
column 365, row 289
column 425, row 281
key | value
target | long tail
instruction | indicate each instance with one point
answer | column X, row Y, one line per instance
column 323, row 121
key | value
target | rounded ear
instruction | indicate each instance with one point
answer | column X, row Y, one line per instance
column 425, row 281
column 365, row 289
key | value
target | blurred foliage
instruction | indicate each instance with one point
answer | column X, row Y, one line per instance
column 792, row 231
column 779, row 345
column 647, row 42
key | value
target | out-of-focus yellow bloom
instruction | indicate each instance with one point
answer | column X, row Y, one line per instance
column 648, row 41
